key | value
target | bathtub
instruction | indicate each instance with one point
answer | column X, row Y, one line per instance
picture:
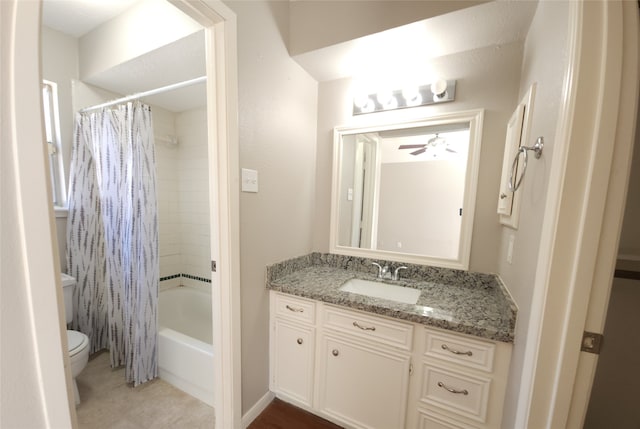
column 185, row 350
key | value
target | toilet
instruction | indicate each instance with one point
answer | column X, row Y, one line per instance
column 78, row 343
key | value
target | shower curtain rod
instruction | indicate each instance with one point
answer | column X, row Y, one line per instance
column 146, row 93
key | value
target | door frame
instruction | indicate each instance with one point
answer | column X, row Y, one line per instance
column 222, row 124
column 584, row 210
column 41, row 268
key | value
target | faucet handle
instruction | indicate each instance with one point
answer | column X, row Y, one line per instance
column 380, row 269
column 396, row 273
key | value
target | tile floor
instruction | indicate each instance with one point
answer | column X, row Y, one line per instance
column 109, row 403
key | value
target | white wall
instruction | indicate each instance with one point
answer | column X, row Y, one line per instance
column 417, row 211
column 348, row 19
column 487, row 78
column 545, row 61
column 148, row 25
column 277, row 121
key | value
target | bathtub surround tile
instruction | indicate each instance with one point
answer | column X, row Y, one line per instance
column 108, row 402
column 461, row 301
column 176, row 280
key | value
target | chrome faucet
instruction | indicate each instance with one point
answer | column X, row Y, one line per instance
column 396, row 273
column 383, row 272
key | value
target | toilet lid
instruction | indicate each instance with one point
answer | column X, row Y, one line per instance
column 75, row 340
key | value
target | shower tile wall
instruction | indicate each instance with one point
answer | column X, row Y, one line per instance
column 183, row 199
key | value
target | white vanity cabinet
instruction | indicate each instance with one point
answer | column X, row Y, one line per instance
column 459, row 382
column 293, row 347
column 362, row 370
column 364, row 364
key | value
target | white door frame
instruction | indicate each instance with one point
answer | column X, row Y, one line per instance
column 22, row 102
column 584, row 210
column 222, row 123
column 35, row 253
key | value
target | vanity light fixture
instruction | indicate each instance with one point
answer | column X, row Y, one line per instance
column 439, row 91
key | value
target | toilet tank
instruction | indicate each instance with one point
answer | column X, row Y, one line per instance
column 68, row 283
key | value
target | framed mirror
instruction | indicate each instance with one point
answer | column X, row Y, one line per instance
column 406, row 191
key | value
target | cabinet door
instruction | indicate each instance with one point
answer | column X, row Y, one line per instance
column 363, row 386
column 294, row 361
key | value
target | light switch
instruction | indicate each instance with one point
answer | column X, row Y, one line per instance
column 350, row 194
column 249, row 180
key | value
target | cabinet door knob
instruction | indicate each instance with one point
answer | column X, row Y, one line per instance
column 299, row 340
column 335, row 352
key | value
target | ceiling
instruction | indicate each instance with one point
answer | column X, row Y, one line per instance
column 78, row 17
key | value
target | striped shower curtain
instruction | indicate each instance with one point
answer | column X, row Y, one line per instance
column 112, row 236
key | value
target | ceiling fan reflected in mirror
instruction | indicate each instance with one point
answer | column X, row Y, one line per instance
column 433, row 142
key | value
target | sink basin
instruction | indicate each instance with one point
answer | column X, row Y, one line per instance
column 388, row 291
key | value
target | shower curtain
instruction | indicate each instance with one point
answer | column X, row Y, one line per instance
column 112, row 236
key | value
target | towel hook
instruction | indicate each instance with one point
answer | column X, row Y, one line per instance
column 537, row 148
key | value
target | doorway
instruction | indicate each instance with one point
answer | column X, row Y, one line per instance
column 615, row 393
column 220, row 94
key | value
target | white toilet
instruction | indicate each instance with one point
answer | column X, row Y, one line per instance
column 77, row 341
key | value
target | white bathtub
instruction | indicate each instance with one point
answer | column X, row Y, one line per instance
column 185, row 352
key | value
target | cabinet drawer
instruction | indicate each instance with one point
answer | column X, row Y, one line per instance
column 396, row 334
column 428, row 420
column 460, row 393
column 294, row 308
column 460, row 350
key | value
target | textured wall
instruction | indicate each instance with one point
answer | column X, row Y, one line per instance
column 277, row 105
column 544, row 62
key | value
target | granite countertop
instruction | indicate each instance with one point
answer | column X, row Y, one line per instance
column 460, row 301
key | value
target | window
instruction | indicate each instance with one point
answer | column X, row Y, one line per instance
column 54, row 144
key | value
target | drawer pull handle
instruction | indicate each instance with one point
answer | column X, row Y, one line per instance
column 456, row 352
column 364, row 328
column 449, row 389
column 335, row 352
column 299, row 341
column 294, row 309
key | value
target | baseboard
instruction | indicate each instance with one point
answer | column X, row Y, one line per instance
column 257, row 408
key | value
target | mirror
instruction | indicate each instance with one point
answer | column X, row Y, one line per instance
column 406, row 191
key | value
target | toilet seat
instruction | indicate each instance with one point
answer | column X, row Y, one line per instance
column 77, row 341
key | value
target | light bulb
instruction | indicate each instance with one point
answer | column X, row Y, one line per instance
column 439, row 88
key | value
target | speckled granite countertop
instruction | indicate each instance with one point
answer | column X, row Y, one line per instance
column 460, row 301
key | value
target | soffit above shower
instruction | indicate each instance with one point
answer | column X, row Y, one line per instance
column 134, row 46
column 494, row 23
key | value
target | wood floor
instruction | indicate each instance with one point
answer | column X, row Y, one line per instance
column 280, row 415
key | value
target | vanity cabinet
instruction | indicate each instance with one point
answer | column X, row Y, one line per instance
column 362, row 370
column 293, row 340
column 364, row 364
column 459, row 382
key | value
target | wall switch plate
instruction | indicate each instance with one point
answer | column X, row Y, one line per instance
column 249, row 180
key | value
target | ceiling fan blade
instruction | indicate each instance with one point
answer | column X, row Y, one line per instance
column 419, row 151
column 411, row 146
